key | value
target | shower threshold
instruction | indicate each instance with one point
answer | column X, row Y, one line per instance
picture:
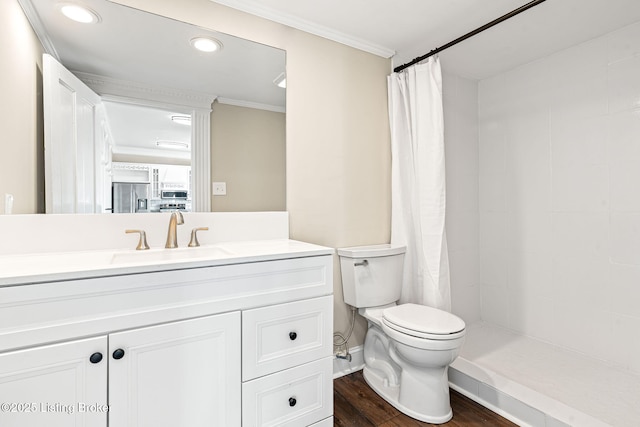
column 535, row 383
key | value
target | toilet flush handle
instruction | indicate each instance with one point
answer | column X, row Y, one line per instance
column 363, row 263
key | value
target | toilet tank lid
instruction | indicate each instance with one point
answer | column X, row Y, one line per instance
column 371, row 251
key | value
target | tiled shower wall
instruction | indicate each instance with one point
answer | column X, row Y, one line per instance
column 559, row 198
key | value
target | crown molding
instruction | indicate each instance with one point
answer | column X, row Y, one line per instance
column 107, row 86
column 253, row 8
column 249, row 104
column 38, row 28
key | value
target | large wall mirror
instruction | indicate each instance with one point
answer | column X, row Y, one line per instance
column 174, row 127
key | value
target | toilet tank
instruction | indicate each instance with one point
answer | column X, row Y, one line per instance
column 371, row 275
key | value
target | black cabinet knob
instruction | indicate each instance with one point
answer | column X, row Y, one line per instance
column 293, row 336
column 292, row 401
column 95, row 357
column 118, row 354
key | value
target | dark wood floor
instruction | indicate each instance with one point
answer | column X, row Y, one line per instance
column 357, row 405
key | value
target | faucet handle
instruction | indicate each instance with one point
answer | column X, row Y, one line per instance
column 142, row 243
column 194, row 236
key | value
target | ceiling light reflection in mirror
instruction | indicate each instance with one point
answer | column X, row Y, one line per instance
column 206, row 44
column 79, row 13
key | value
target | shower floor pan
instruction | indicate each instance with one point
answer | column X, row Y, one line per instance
column 534, row 383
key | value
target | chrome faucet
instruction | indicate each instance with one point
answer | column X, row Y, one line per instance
column 172, row 235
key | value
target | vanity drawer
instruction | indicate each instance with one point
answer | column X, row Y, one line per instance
column 299, row 396
column 280, row 336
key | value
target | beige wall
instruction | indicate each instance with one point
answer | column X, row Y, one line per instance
column 248, row 154
column 21, row 149
column 338, row 152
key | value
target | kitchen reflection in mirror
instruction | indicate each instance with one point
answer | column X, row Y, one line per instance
column 137, row 119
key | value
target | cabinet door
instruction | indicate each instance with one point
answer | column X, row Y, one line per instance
column 184, row 373
column 55, row 385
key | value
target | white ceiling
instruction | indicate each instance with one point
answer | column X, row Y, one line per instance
column 132, row 45
column 411, row 28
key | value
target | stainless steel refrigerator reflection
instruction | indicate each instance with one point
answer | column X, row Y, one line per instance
column 130, row 197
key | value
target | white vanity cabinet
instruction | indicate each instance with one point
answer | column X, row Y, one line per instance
column 285, row 365
column 42, row 386
column 179, row 374
column 244, row 343
column 184, row 373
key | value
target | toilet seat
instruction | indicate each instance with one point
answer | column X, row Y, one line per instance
column 423, row 322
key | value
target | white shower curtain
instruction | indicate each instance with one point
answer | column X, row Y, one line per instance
column 418, row 182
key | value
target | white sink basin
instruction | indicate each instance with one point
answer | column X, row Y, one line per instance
column 170, row 255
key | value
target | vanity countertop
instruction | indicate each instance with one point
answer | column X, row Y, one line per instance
column 59, row 266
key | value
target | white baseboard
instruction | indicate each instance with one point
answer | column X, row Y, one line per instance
column 342, row 367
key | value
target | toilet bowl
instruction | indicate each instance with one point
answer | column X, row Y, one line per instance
column 408, row 347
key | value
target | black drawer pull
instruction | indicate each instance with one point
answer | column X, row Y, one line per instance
column 292, row 401
column 95, row 358
column 118, row 354
column 293, row 336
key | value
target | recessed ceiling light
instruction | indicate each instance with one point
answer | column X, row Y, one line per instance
column 281, row 80
column 173, row 144
column 183, row 120
column 79, row 13
column 206, row 44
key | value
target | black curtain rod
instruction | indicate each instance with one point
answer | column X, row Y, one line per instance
column 471, row 34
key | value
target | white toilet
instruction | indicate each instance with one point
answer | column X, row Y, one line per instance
column 408, row 347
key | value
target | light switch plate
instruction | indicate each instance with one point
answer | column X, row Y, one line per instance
column 219, row 188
